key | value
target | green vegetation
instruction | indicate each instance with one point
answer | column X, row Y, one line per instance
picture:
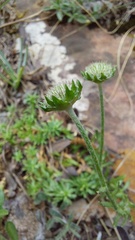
column 87, row 11
column 77, row 10
column 9, row 75
column 27, row 135
column 10, row 228
column 3, row 3
column 63, row 96
column 69, row 9
column 44, row 181
column 47, row 175
column 67, row 225
column 3, row 211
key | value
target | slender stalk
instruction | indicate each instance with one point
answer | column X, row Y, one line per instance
column 91, row 150
column 101, row 123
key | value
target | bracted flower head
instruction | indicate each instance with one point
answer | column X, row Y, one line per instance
column 99, row 72
column 62, row 96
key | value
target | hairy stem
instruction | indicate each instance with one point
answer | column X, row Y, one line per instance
column 95, row 160
column 102, row 123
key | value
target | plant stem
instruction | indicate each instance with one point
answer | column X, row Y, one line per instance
column 95, row 160
column 102, row 122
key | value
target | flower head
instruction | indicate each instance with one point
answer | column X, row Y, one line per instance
column 62, row 96
column 99, row 72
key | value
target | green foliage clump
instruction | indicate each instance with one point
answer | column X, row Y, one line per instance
column 69, row 9
column 27, row 135
column 89, row 11
column 44, row 182
column 85, row 184
column 3, row 211
column 67, row 225
column 10, row 228
column 9, row 75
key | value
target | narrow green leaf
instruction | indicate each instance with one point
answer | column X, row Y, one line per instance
column 3, row 212
column 19, row 76
column 106, row 204
column 50, row 224
column 59, row 15
column 20, row 55
column 6, row 65
column 3, row 4
column 75, row 233
column 25, row 57
column 80, row 18
column 55, row 213
column 11, row 231
column 1, row 197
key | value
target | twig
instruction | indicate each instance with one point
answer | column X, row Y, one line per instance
column 122, row 69
column 40, row 19
column 124, row 63
column 3, row 96
column 98, row 24
column 73, row 32
column 105, row 227
column 115, row 229
column 86, row 209
column 24, row 19
column 20, row 184
column 87, row 231
column 118, row 66
column 54, row 27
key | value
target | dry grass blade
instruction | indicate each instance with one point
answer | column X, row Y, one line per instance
column 26, row 18
column 20, row 185
column 89, row 205
column 21, row 20
column 115, row 229
column 124, row 63
column 105, row 227
column 54, row 27
column 74, row 32
column 99, row 25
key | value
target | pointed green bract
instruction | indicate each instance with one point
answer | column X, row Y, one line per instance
column 69, row 94
column 73, row 87
column 62, row 96
column 49, row 101
column 56, row 101
column 99, row 72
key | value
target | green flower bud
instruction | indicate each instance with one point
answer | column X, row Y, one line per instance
column 99, row 72
column 62, row 96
